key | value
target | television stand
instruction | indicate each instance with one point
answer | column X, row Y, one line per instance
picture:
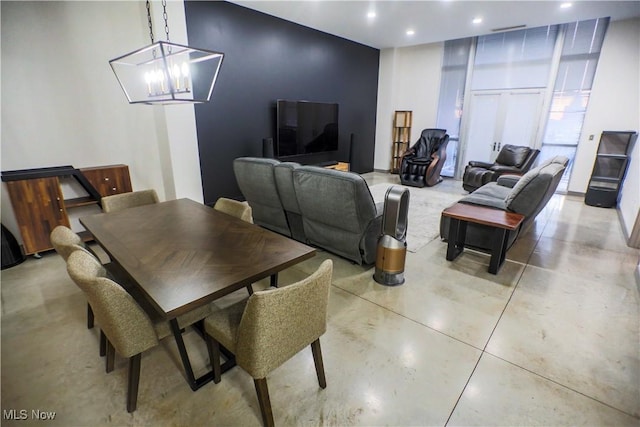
column 339, row 166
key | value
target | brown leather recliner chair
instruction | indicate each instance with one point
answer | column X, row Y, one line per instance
column 512, row 159
column 421, row 164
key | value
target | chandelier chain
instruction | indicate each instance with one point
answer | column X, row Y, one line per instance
column 150, row 22
column 164, row 15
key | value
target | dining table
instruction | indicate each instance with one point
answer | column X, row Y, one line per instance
column 181, row 255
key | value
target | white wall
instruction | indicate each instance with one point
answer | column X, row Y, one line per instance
column 62, row 105
column 384, row 114
column 409, row 79
column 614, row 105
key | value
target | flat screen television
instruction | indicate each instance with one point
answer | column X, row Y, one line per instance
column 305, row 128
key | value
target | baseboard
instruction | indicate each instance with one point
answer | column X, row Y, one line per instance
column 638, row 277
column 632, row 237
column 625, row 231
column 382, row 170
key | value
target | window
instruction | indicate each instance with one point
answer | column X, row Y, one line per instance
column 515, row 59
column 454, row 75
column 572, row 89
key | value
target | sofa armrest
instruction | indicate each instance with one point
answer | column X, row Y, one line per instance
column 370, row 237
column 503, row 169
column 508, row 180
column 409, row 153
column 477, row 164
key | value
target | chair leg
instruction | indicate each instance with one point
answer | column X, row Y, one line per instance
column 213, row 347
column 90, row 321
column 134, row 380
column 263, row 399
column 317, row 360
column 103, row 343
column 111, row 356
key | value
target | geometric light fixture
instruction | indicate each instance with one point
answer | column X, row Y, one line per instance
column 167, row 73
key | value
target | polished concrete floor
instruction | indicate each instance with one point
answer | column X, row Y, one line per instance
column 553, row 339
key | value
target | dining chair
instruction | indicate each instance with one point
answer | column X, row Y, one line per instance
column 65, row 241
column 121, row 201
column 237, row 209
column 268, row 328
column 130, row 326
column 234, row 208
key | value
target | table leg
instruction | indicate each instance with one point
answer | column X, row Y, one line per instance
column 196, row 383
column 457, row 235
column 274, row 280
column 498, row 250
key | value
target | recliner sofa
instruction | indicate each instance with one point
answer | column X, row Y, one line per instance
column 330, row 209
column 526, row 195
column 512, row 159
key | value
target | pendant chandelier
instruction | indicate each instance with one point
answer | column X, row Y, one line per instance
column 165, row 72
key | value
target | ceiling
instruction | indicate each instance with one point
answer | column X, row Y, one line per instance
column 432, row 20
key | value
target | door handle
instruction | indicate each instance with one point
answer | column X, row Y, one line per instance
column 494, row 146
column 499, row 144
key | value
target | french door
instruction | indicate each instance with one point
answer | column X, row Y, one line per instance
column 502, row 117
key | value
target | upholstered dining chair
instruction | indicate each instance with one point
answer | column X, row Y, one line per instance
column 237, row 209
column 271, row 326
column 234, row 208
column 130, row 329
column 65, row 241
column 118, row 202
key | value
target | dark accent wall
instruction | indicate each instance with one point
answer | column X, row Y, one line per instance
column 266, row 59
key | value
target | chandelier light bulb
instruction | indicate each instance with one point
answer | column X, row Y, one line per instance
column 185, row 75
column 175, row 75
column 148, row 78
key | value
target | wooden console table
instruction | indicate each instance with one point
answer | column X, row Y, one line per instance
column 340, row 166
column 40, row 205
column 461, row 214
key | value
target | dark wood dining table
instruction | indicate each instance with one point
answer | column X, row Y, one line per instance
column 181, row 255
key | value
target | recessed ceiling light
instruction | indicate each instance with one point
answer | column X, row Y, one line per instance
column 371, row 15
column 566, row 5
column 410, row 32
column 477, row 20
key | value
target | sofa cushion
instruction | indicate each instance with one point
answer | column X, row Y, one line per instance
column 531, row 192
column 337, row 211
column 284, row 182
column 333, row 197
column 508, row 180
column 256, row 179
column 561, row 160
column 491, row 195
column 512, row 155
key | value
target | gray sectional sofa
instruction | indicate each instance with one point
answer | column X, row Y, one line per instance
column 330, row 209
column 526, row 195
